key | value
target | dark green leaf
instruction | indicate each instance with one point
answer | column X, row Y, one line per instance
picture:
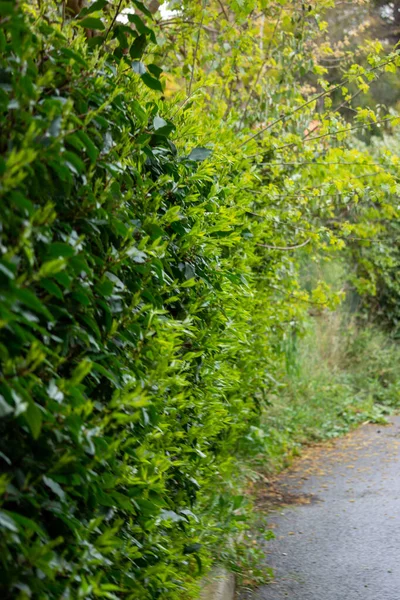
column 55, row 487
column 98, row 5
column 30, row 299
column 142, row 8
column 59, row 249
column 192, row 548
column 138, row 47
column 155, row 70
column 33, row 417
column 151, row 82
column 92, row 23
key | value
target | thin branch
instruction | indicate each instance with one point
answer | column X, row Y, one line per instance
column 343, row 104
column 308, row 102
column 164, row 24
column 267, row 56
column 223, row 10
column 359, row 164
column 305, row 192
column 196, row 49
column 186, row 101
column 113, row 20
column 286, row 247
column 333, row 133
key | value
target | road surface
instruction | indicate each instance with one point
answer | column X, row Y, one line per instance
column 338, row 536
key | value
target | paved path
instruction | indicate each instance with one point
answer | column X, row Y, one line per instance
column 339, row 536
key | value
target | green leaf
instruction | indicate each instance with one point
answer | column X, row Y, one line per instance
column 6, row 8
column 138, row 67
column 141, row 27
column 192, row 548
column 162, row 127
column 139, row 111
column 81, row 371
column 51, row 267
column 6, row 270
column 151, row 82
column 138, row 47
column 26, row 523
column 52, row 288
column 81, row 297
column 71, row 54
column 199, row 154
column 98, row 5
column 73, row 159
column 90, row 147
column 142, row 8
column 33, row 417
column 30, row 299
column 155, row 70
column 92, row 23
column 55, row 487
column 59, row 250
column 7, row 522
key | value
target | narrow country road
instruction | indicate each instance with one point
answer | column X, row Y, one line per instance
column 338, row 534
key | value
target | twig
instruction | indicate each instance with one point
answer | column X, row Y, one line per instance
column 113, row 20
column 196, row 49
column 163, row 24
column 333, row 133
column 343, row 104
column 359, row 164
column 186, row 101
column 321, row 95
column 223, row 10
column 267, row 56
column 286, row 247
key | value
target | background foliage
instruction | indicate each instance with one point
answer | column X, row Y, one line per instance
column 163, row 183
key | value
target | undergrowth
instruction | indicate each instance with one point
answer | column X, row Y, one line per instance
column 339, row 374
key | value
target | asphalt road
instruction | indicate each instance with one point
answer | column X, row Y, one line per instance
column 338, row 538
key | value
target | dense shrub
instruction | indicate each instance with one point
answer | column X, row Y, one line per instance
column 149, row 284
column 375, row 262
column 129, row 369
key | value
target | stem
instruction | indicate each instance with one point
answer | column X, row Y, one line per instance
column 321, row 95
column 360, row 164
column 223, row 10
column 113, row 20
column 333, row 133
column 267, row 56
column 286, row 247
column 196, row 49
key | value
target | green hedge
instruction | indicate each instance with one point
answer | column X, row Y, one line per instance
column 130, row 364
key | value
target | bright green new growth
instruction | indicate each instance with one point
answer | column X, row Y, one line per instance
column 149, row 279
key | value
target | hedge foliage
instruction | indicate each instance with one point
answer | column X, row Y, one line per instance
column 147, row 295
column 127, row 342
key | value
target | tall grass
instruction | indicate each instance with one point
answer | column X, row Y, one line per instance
column 339, row 374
